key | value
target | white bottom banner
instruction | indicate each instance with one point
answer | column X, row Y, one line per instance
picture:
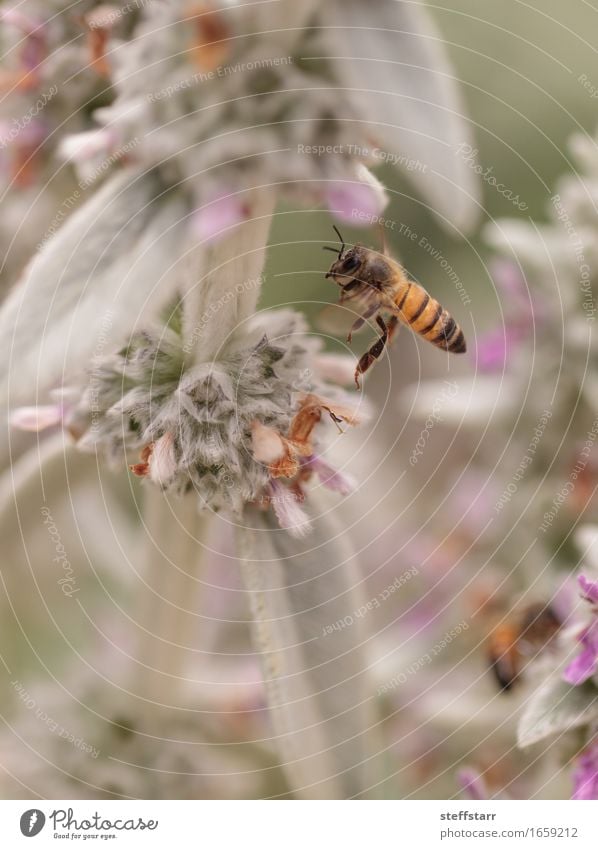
column 301, row 825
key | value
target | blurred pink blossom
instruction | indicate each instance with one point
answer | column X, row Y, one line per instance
column 472, row 784
column 329, row 476
column 585, row 664
column 495, row 347
column 286, row 506
column 585, row 774
column 356, row 201
column 221, row 211
column 37, row 418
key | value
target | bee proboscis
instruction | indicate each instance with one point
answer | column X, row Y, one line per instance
column 373, row 283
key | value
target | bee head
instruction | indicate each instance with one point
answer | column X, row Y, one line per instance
column 344, row 268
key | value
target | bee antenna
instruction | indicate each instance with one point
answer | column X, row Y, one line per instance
column 337, row 231
column 328, row 248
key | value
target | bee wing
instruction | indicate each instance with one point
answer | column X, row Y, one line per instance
column 336, row 319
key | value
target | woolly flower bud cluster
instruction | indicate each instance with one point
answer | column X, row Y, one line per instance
column 226, row 429
column 261, row 141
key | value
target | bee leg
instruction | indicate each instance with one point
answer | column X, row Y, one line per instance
column 361, row 321
column 370, row 357
column 393, row 326
column 354, row 328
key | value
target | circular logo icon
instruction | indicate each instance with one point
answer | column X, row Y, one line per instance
column 32, row 822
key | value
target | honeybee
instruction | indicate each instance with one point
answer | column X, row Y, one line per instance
column 518, row 639
column 373, row 283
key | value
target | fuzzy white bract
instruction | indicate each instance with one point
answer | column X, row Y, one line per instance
column 202, row 428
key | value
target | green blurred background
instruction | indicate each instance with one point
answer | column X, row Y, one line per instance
column 519, row 66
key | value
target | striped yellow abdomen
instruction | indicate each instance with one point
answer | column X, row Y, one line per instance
column 426, row 317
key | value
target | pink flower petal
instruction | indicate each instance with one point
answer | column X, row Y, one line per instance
column 336, row 368
column 13, row 17
column 267, row 445
column 495, row 347
column 36, row 418
column 492, row 350
column 359, row 201
column 585, row 664
column 330, row 477
column 585, row 774
column 34, row 51
column 162, row 460
column 221, row 212
column 33, row 47
column 509, row 280
column 81, row 147
column 472, row 784
column 286, row 506
column 589, row 589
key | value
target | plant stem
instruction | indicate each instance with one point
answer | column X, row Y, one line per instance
column 168, row 625
column 224, row 281
column 222, row 285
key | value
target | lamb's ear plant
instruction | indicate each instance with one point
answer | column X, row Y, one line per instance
column 136, row 327
column 551, row 265
column 527, row 497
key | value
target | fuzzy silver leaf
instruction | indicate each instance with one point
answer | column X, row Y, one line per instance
column 317, row 676
column 390, row 60
column 90, row 284
column 555, row 707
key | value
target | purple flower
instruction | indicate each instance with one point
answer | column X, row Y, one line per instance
column 330, row 477
column 472, row 784
column 13, row 17
column 589, row 589
column 510, row 282
column 585, row 774
column 33, row 51
column 585, row 664
column 495, row 347
column 359, row 200
column 37, row 419
column 286, row 505
column 219, row 213
column 33, row 46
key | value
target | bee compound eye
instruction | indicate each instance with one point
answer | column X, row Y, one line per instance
column 351, row 262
